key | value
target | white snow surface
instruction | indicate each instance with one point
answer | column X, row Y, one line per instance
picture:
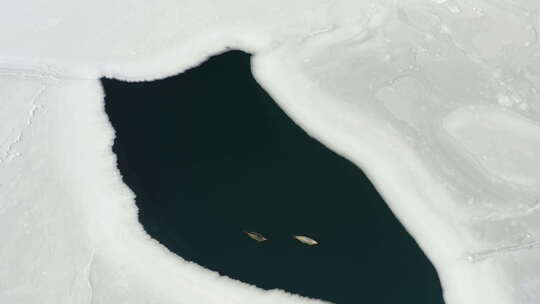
column 437, row 101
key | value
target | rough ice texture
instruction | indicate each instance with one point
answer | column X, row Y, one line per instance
column 437, row 101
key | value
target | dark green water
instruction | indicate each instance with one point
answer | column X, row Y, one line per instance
column 209, row 155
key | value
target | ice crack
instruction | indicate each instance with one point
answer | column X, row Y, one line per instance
column 486, row 254
column 11, row 152
column 88, row 274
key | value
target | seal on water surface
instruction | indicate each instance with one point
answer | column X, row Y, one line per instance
column 256, row 236
column 306, row 240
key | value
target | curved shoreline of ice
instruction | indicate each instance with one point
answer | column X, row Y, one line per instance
column 68, row 215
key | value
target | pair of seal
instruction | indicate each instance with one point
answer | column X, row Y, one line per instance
column 301, row 238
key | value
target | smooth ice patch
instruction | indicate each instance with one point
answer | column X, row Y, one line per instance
column 488, row 136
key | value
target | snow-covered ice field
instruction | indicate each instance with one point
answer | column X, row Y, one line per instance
column 437, row 101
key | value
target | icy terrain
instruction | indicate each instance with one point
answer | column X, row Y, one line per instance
column 437, row 101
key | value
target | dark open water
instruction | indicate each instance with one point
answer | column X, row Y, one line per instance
column 209, row 154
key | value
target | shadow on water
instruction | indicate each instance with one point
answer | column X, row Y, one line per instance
column 209, row 155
